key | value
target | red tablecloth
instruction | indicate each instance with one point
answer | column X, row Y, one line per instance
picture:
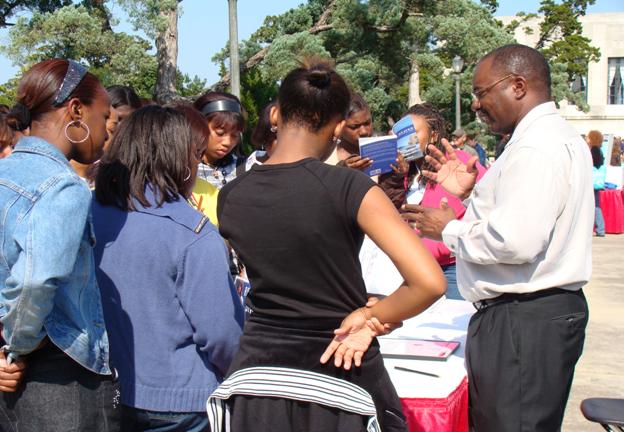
column 612, row 205
column 440, row 415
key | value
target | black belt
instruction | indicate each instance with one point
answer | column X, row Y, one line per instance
column 481, row 305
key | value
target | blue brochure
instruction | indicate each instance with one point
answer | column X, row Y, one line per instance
column 382, row 151
column 407, row 140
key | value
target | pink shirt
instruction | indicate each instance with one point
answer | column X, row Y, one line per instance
column 432, row 197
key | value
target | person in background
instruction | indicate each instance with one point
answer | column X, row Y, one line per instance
column 6, row 134
column 523, row 248
column 471, row 142
column 302, row 261
column 460, row 139
column 263, row 138
column 163, row 271
column 223, row 156
column 50, row 307
column 15, row 134
column 616, row 152
column 429, row 128
column 594, row 138
column 124, row 102
column 359, row 124
column 599, row 176
column 501, row 144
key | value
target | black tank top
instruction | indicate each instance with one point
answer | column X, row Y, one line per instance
column 295, row 228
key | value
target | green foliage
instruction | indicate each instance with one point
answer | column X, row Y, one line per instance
column 147, row 15
column 74, row 32
column 189, row 87
column 287, row 50
column 374, row 42
column 562, row 43
column 8, row 9
column 462, row 28
column 256, row 93
column 491, row 5
column 561, row 39
column 8, row 92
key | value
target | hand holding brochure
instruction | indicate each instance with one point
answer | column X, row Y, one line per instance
column 382, row 150
column 407, row 140
column 417, row 349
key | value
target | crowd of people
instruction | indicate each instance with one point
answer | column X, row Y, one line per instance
column 129, row 232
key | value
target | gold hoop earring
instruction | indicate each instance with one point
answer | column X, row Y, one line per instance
column 82, row 125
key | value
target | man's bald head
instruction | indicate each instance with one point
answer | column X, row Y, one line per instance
column 523, row 61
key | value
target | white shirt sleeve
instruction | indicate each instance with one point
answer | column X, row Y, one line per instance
column 528, row 199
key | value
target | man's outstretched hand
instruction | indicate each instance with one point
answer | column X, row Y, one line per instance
column 451, row 173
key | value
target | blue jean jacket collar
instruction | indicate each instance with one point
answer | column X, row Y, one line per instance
column 33, row 144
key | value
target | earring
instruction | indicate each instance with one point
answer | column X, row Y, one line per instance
column 188, row 176
column 274, row 129
column 337, row 140
column 80, row 124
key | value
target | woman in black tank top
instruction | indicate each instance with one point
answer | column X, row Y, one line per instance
column 298, row 225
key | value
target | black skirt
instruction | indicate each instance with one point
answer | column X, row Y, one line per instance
column 296, row 345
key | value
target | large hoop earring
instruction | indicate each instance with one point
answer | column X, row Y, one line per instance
column 82, row 125
column 188, row 176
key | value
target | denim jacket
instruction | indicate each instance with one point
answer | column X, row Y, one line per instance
column 47, row 272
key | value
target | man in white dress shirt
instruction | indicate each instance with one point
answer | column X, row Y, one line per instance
column 523, row 248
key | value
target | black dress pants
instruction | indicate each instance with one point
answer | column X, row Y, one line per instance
column 521, row 353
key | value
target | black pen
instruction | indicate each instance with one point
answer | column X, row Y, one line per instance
column 401, row 368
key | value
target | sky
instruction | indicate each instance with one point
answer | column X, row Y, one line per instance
column 203, row 31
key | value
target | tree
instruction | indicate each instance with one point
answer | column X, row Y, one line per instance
column 377, row 45
column 159, row 20
column 75, row 32
column 9, row 8
column 85, row 33
column 563, row 44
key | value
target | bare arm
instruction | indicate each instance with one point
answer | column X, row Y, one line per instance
column 424, row 281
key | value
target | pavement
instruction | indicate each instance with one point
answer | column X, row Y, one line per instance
column 599, row 372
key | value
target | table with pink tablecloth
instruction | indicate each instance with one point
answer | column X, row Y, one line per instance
column 612, row 205
column 440, row 403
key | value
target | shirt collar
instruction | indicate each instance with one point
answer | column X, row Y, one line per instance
column 33, row 144
column 178, row 210
column 541, row 110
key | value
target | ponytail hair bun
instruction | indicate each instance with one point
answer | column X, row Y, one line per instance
column 313, row 94
column 19, row 117
column 319, row 78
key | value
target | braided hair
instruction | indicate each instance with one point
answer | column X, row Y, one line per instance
column 437, row 132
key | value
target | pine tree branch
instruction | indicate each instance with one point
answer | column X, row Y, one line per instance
column 321, row 25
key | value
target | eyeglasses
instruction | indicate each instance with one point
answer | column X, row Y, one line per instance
column 477, row 95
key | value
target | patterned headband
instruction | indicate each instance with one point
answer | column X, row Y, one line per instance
column 221, row 105
column 75, row 73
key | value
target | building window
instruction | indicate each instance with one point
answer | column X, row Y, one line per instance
column 615, row 76
column 579, row 85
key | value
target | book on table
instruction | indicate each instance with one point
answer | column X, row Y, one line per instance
column 417, row 349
